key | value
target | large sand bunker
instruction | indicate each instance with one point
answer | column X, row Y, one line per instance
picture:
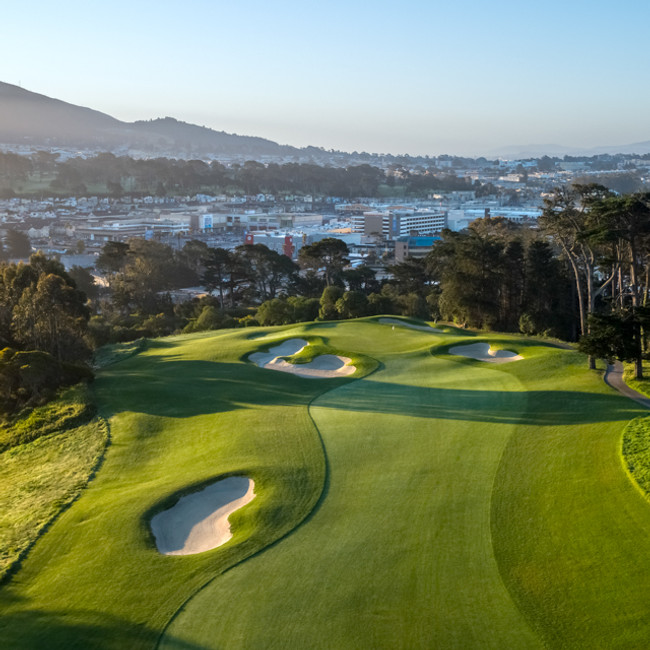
column 483, row 352
column 199, row 521
column 401, row 323
column 324, row 366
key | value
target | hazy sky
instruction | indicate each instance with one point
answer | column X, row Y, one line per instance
column 417, row 77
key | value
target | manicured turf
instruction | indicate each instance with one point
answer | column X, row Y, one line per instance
column 399, row 553
column 182, row 412
column 457, row 504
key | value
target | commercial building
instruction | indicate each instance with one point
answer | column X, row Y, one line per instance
column 399, row 222
column 413, row 247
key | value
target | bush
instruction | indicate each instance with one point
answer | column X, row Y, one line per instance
column 248, row 321
column 275, row 312
column 353, row 304
column 33, row 377
column 328, row 300
column 72, row 408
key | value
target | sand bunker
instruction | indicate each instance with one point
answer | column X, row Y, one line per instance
column 483, row 352
column 401, row 323
column 324, row 366
column 285, row 349
column 199, row 521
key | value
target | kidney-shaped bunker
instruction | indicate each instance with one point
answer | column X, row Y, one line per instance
column 199, row 521
column 483, row 352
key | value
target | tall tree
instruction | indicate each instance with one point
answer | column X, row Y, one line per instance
column 225, row 273
column 328, row 254
column 468, row 267
column 268, row 271
column 52, row 317
column 568, row 217
column 113, row 257
column 18, row 244
column 623, row 222
column 548, row 304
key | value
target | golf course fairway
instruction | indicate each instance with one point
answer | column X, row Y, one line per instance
column 428, row 500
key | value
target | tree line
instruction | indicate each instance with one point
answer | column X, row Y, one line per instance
column 605, row 238
column 44, row 342
column 116, row 176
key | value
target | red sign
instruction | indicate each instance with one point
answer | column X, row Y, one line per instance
column 288, row 246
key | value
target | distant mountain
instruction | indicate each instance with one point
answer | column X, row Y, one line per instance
column 30, row 118
column 201, row 139
column 38, row 120
column 521, row 152
column 640, row 148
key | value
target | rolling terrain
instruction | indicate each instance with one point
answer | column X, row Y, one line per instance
column 429, row 500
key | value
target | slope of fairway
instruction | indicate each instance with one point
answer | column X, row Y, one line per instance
column 182, row 413
column 399, row 553
column 571, row 532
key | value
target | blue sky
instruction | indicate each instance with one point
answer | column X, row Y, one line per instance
column 417, row 77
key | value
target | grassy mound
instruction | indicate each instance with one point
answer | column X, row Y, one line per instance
column 108, row 354
column 318, row 346
column 72, row 408
column 49, row 463
column 636, row 452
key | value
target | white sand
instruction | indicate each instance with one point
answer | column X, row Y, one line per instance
column 199, row 521
column 327, row 365
column 324, row 366
column 401, row 323
column 483, row 352
column 285, row 349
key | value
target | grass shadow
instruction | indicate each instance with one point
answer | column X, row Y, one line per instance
column 29, row 629
column 184, row 388
column 542, row 408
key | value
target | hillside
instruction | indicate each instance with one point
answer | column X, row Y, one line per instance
column 204, row 140
column 31, row 118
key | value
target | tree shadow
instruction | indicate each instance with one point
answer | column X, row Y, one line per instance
column 543, row 408
column 321, row 325
column 150, row 344
column 82, row 630
column 258, row 334
column 179, row 388
column 184, row 388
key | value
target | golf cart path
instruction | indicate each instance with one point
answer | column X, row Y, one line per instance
column 614, row 378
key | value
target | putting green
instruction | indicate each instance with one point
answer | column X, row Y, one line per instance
column 438, row 502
